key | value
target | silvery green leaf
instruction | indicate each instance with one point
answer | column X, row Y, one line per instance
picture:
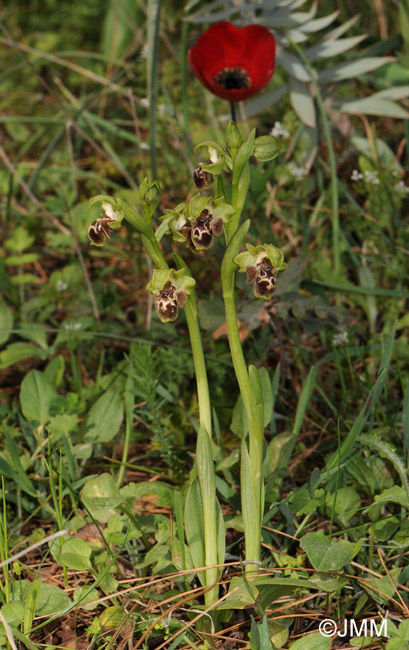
column 255, row 106
column 302, row 102
column 284, row 18
column 352, row 69
column 375, row 106
column 386, row 156
column 293, row 66
column 326, row 49
column 291, row 4
column 297, row 36
column 213, row 17
column 342, row 29
column 319, row 23
column 397, row 92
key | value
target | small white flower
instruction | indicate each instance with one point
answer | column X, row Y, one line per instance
column 298, row 172
column 341, row 338
column 144, row 102
column 401, row 187
column 356, row 175
column 145, row 51
column 144, row 146
column 371, row 177
column 279, row 130
column 61, row 286
column 72, row 327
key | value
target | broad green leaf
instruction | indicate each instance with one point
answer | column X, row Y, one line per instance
column 278, row 453
column 395, row 494
column 153, row 556
column 312, row 642
column 100, row 495
column 35, row 333
column 13, row 613
column 326, row 555
column 6, row 322
column 84, row 600
column 16, row 352
column 165, row 493
column 345, row 503
column 302, row 102
column 62, row 424
column 383, row 589
column 113, row 617
column 241, row 594
column 105, row 418
column 35, row 396
column 76, row 554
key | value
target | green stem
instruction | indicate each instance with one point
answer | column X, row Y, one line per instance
column 252, row 532
column 331, row 154
column 205, row 411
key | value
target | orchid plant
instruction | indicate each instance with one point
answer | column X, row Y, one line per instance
column 215, row 211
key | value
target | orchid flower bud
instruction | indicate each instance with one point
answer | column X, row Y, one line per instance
column 266, row 147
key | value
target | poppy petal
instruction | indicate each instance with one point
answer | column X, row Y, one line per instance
column 233, row 63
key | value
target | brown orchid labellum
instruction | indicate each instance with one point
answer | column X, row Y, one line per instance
column 264, row 278
column 168, row 301
column 202, row 179
column 99, row 230
column 203, row 229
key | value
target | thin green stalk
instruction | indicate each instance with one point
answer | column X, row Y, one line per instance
column 253, row 532
column 205, row 411
column 331, row 154
column 153, row 18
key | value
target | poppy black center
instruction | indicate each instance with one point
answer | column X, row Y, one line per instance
column 233, row 79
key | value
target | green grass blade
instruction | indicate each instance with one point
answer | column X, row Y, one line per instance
column 304, row 398
column 153, row 18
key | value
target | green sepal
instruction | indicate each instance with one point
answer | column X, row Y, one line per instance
column 196, row 205
column 255, row 254
column 216, row 154
column 178, row 279
column 172, row 220
column 111, row 206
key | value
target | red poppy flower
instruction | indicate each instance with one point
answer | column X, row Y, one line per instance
column 234, row 63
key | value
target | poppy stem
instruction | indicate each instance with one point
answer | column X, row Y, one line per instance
column 233, row 111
